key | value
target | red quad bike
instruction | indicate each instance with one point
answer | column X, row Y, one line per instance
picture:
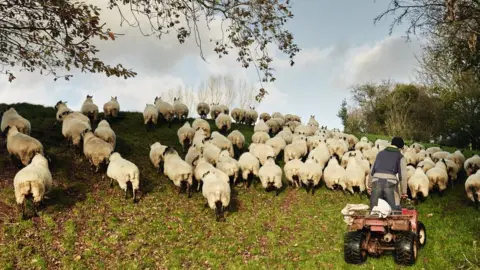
column 399, row 232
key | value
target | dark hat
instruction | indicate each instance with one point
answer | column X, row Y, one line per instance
column 398, row 142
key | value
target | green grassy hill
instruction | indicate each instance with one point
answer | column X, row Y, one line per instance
column 88, row 225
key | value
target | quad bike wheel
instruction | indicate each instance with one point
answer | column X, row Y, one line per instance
column 352, row 248
column 421, row 233
column 406, row 248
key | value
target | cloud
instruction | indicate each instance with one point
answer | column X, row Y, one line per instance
column 390, row 58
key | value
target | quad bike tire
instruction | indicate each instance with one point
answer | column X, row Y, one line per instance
column 352, row 248
column 421, row 233
column 406, row 246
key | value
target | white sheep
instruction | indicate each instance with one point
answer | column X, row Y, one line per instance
column 202, row 166
column 105, row 132
column 303, row 130
column 222, row 142
column 440, row 155
column 273, row 126
column 418, row 147
column 280, row 122
column 96, row 150
column 410, row 156
column 426, row 164
column 320, row 154
column 311, row 174
column 314, row 141
column 237, row 139
column 156, row 155
column 472, row 164
column 238, row 115
column 214, row 110
column 270, row 175
column 251, row 116
column 410, row 171
column 249, row 166
column 124, row 171
column 11, row 118
column 90, row 109
column 211, row 152
column 217, row 192
column 185, row 136
column 438, row 176
column 202, row 124
column 177, row 170
column 223, row 122
column 63, row 110
column 22, row 146
column 338, row 147
column 265, row 116
column 261, row 126
column 472, row 187
column 192, row 156
column 203, row 109
column 457, row 157
column 260, row 137
column 224, row 109
column 277, row 143
column 381, row 144
column 352, row 140
column 434, row 149
column 111, row 108
column 150, row 116
column 354, row 175
column 363, row 145
column 452, row 170
column 286, row 134
column 277, row 115
column 165, row 110
column 181, row 110
column 73, row 128
column 292, row 170
column 297, row 149
column 292, row 125
column 334, row 175
column 229, row 166
column 262, row 152
column 418, row 184
column 422, row 155
column 34, row 179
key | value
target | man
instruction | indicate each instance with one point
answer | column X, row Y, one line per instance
column 383, row 182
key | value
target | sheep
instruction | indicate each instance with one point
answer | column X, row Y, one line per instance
column 334, row 174
column 472, row 164
column 420, row 156
column 217, row 192
column 418, row 184
column 249, row 166
column 472, row 187
column 11, row 118
column 312, row 123
column 201, row 124
column 277, row 115
column 381, row 144
column 311, row 174
column 410, row 156
column 418, row 147
column 96, row 150
column 104, row 132
column 291, row 117
column 261, row 126
column 228, row 165
column 73, row 128
column 314, row 141
column 22, row 146
column 90, row 109
column 426, row 164
column 273, row 126
column 457, row 157
column 286, row 134
column 150, row 116
column 265, row 117
column 297, row 149
column 292, row 170
column 203, row 109
column 260, row 137
column 177, row 170
column 165, row 110
column 63, row 110
column 432, row 150
column 111, row 108
column 452, row 170
column 35, row 179
column 215, row 110
column 124, row 171
column 438, row 176
column 222, row 142
column 237, row 139
column 440, row 155
column 262, row 152
column 238, row 115
column 280, row 122
column 223, row 122
column 156, row 155
column 185, row 136
column 303, row 130
column 192, row 156
column 338, row 147
column 320, row 154
column 270, row 175
column 224, row 109
column 363, row 145
column 292, row 125
column 410, row 171
column 251, row 116
column 181, row 110
column 277, row 143
column 199, row 140
column 352, row 141
column 354, row 175
column 211, row 152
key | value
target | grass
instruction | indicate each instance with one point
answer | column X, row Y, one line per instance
column 87, row 225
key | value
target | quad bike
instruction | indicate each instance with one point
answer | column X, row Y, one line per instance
column 399, row 232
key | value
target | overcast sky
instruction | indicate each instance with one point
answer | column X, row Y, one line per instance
column 340, row 47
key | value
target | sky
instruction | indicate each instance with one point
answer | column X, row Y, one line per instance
column 340, row 47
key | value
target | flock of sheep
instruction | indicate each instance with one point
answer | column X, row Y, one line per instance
column 217, row 161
